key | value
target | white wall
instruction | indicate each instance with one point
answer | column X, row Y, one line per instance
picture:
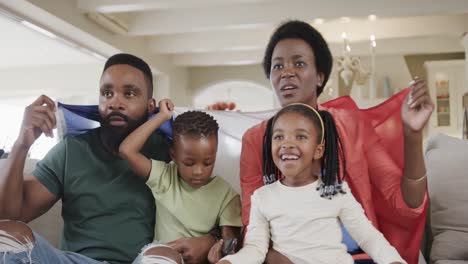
column 173, row 84
column 54, row 81
column 21, row 86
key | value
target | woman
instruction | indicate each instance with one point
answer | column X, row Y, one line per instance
column 298, row 63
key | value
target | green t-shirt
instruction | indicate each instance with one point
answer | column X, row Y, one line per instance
column 108, row 211
column 184, row 211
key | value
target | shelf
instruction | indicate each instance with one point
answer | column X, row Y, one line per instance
column 443, row 113
column 443, row 100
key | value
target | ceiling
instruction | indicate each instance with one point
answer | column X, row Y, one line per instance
column 194, row 33
column 22, row 46
column 235, row 32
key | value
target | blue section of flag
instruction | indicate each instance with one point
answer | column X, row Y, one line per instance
column 80, row 118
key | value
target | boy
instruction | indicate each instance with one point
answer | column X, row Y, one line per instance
column 190, row 201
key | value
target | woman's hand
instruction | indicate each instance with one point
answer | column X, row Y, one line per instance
column 417, row 107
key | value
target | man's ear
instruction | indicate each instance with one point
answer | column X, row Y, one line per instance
column 151, row 105
column 172, row 153
column 319, row 151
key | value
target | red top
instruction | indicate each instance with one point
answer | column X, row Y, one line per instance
column 373, row 145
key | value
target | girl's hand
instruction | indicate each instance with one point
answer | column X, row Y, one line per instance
column 417, row 107
column 216, row 253
column 166, row 108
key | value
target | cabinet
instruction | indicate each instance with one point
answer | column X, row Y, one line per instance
column 446, row 81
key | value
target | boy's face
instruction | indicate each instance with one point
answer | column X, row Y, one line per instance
column 195, row 158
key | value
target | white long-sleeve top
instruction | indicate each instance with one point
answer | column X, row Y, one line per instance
column 305, row 227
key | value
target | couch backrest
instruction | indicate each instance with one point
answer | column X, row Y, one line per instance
column 50, row 224
column 447, row 174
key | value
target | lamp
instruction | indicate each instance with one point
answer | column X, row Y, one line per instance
column 350, row 68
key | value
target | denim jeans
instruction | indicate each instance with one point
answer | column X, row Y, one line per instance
column 42, row 252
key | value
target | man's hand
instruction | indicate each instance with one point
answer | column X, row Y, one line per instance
column 38, row 118
column 194, row 250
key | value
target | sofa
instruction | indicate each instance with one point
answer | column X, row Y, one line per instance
column 447, row 236
column 50, row 224
column 447, row 174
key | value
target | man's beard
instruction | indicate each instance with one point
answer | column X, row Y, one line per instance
column 112, row 136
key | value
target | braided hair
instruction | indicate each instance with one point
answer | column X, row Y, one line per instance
column 197, row 124
column 333, row 162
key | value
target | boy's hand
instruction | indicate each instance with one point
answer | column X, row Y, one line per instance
column 194, row 250
column 166, row 108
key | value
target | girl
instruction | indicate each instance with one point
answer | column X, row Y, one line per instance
column 299, row 211
column 387, row 177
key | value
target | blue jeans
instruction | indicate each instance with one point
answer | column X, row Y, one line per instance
column 159, row 259
column 45, row 253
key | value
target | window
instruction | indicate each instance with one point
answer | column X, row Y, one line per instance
column 12, row 116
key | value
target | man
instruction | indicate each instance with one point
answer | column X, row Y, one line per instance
column 108, row 212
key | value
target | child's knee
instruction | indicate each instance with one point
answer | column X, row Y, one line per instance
column 15, row 233
column 152, row 253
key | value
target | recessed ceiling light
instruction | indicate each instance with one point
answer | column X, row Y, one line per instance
column 372, row 17
column 372, row 37
column 344, row 35
column 318, row 21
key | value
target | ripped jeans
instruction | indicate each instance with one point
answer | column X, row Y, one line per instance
column 42, row 252
column 39, row 252
column 142, row 259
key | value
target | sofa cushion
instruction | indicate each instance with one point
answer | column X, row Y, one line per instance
column 451, row 262
column 447, row 174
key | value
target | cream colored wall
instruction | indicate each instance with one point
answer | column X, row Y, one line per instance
column 80, row 83
column 170, row 81
column 393, row 66
column 202, row 77
column 465, row 43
